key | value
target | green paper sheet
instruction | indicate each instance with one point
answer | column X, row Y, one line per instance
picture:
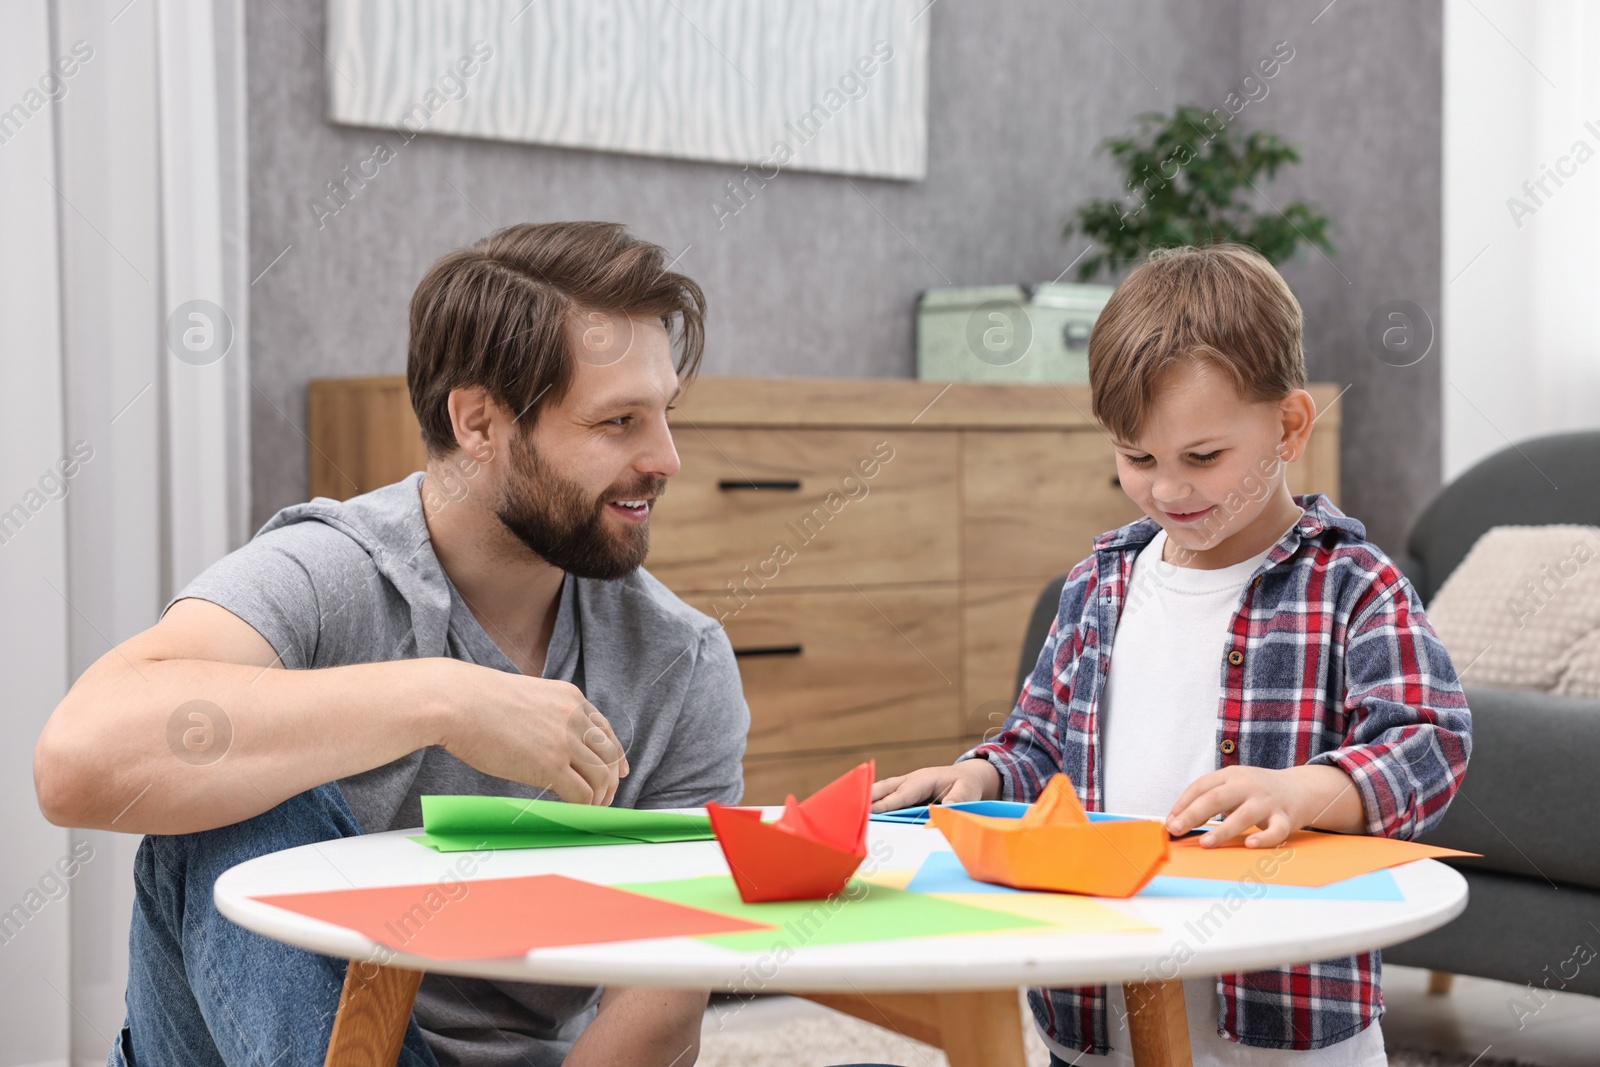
column 863, row 912
column 469, row 823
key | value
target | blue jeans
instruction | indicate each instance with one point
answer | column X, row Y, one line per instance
column 203, row 992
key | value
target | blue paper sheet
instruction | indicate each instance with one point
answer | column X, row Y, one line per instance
column 1000, row 809
column 1003, row 809
column 942, row 872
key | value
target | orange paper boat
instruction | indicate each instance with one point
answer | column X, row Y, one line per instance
column 1054, row 846
column 812, row 849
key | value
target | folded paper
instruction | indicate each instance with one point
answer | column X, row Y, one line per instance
column 495, row 917
column 472, row 823
column 1003, row 848
column 809, row 852
column 1055, row 846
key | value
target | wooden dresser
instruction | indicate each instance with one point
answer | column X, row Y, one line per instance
column 873, row 546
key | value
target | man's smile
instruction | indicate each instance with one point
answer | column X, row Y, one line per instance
column 632, row 510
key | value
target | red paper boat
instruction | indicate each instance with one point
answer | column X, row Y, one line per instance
column 812, row 849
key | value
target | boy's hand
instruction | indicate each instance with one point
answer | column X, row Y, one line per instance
column 971, row 779
column 1269, row 805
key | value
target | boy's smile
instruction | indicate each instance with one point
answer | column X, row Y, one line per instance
column 1209, row 465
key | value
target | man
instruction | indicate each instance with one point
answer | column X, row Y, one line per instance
column 482, row 627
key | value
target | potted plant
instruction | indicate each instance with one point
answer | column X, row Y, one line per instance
column 1192, row 177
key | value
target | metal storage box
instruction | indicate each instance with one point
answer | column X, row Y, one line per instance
column 1007, row 333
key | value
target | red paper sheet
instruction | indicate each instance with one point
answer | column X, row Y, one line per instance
column 504, row 916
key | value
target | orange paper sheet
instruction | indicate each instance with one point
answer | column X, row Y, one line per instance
column 504, row 916
column 809, row 852
column 1055, row 847
column 1306, row 857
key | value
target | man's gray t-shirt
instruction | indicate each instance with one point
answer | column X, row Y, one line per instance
column 329, row 584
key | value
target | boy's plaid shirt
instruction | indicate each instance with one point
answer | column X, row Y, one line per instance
column 1328, row 660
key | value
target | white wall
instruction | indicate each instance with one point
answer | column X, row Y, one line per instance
column 34, row 1011
column 111, row 256
column 121, row 197
column 1520, row 332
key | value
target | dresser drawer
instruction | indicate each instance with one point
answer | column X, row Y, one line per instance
column 768, row 779
column 1033, row 501
column 994, row 617
column 834, row 669
column 756, row 510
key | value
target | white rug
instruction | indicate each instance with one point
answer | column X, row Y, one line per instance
column 788, row 1033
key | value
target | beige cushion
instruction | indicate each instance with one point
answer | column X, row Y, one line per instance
column 1522, row 611
column 1581, row 676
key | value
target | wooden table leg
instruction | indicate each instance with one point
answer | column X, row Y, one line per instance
column 981, row 1028
column 374, row 1008
column 1158, row 1027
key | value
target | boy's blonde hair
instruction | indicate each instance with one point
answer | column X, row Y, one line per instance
column 1223, row 304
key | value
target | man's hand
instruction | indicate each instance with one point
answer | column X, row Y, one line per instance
column 971, row 779
column 1268, row 805
column 533, row 730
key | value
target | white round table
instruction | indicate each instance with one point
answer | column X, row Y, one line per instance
column 956, row 992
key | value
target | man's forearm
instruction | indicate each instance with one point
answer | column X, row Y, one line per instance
column 642, row 1028
column 177, row 746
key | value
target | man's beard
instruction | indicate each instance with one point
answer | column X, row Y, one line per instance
column 561, row 525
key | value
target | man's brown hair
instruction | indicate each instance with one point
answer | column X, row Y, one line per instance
column 1222, row 303
column 496, row 314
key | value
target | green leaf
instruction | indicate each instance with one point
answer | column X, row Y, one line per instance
column 1192, row 177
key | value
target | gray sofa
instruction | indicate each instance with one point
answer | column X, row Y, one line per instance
column 1529, row 802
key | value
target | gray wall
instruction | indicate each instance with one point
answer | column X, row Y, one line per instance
column 1363, row 99
column 818, row 275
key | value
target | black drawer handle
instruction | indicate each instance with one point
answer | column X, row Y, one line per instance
column 769, row 650
column 765, row 483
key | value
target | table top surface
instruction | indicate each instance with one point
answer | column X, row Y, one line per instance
column 1197, row 936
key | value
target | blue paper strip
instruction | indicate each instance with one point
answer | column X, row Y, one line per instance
column 942, row 872
column 999, row 809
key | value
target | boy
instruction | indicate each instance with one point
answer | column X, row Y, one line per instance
column 1238, row 652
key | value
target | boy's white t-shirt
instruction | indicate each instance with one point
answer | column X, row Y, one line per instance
column 1158, row 714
